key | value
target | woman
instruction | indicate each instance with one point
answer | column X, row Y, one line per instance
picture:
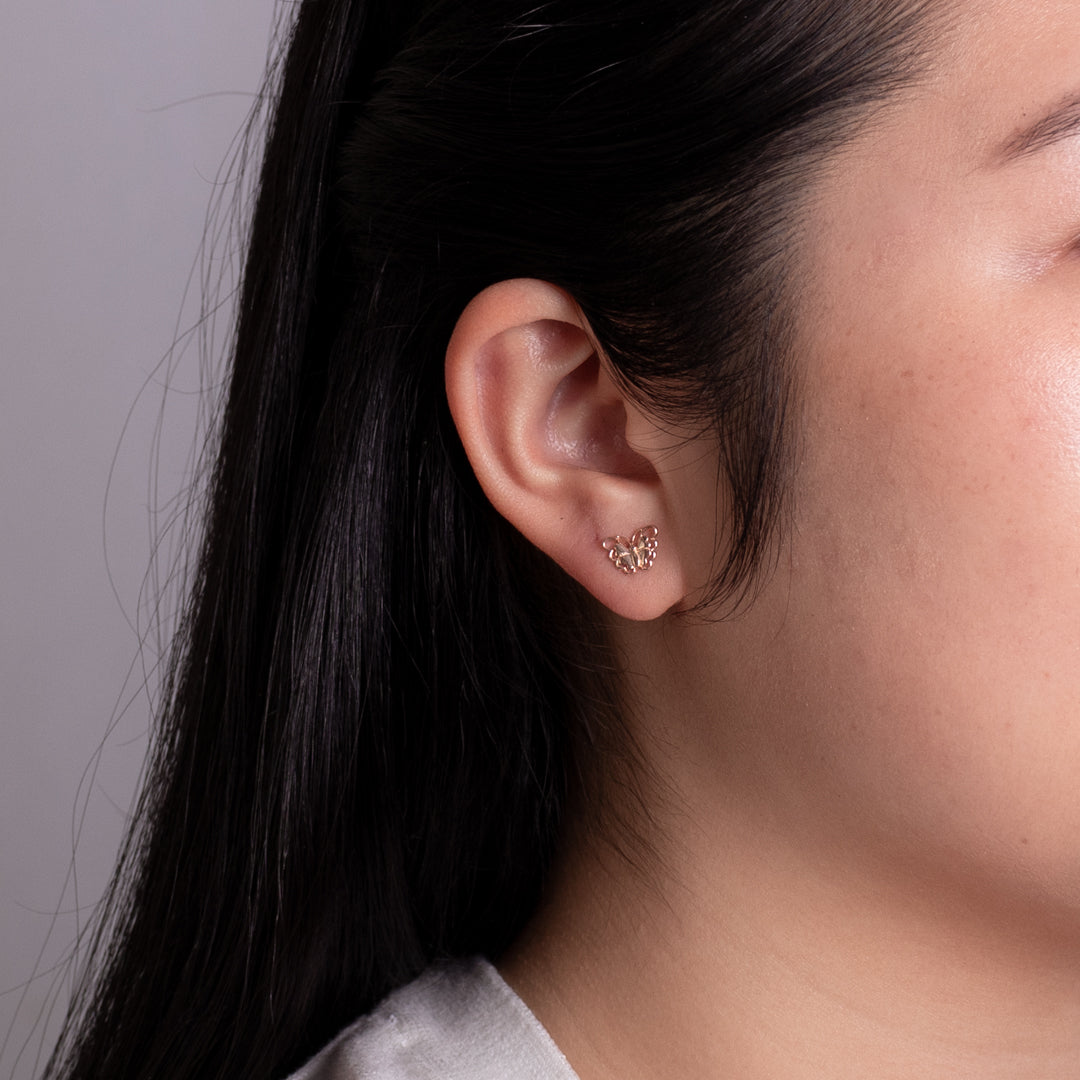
column 642, row 552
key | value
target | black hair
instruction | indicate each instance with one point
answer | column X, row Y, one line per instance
column 382, row 698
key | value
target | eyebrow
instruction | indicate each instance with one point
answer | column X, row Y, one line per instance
column 1061, row 122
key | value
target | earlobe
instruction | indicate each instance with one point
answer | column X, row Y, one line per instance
column 547, row 431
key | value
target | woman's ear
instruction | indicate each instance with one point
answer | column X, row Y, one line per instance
column 559, row 449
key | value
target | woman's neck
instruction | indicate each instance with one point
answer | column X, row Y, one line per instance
column 753, row 962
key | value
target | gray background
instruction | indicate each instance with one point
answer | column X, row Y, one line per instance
column 106, row 174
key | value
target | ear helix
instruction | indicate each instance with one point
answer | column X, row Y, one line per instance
column 633, row 554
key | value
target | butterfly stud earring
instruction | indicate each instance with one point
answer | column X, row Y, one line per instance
column 633, row 554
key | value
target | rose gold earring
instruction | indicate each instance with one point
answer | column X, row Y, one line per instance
column 637, row 553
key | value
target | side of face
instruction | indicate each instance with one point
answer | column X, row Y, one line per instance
column 908, row 683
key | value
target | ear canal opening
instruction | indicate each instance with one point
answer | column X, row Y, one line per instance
column 586, row 425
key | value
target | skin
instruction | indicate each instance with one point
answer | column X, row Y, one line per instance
column 866, row 821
